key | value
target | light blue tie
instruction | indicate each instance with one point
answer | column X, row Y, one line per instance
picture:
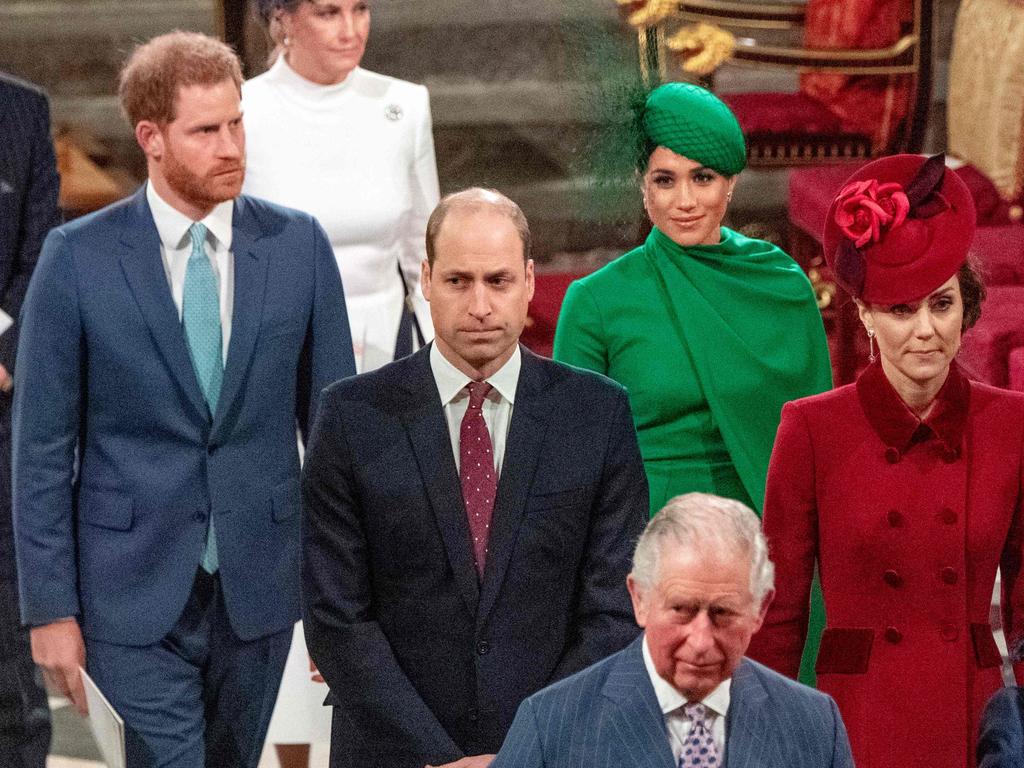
column 200, row 314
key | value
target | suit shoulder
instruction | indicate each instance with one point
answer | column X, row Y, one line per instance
column 380, row 384
column 14, row 88
column 785, row 690
column 581, row 379
column 587, row 682
column 273, row 217
column 97, row 222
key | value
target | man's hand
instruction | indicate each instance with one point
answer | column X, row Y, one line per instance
column 476, row 761
column 6, row 380
column 59, row 650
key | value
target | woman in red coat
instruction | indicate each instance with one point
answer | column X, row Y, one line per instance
column 904, row 488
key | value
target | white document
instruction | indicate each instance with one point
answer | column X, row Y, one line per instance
column 106, row 725
column 6, row 321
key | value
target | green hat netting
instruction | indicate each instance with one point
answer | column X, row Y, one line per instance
column 693, row 122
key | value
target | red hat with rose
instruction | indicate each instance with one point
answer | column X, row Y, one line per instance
column 899, row 228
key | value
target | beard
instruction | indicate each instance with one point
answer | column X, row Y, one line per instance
column 224, row 182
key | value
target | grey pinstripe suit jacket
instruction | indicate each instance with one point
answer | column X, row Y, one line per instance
column 607, row 716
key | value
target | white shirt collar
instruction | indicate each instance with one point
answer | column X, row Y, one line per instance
column 669, row 699
column 172, row 225
column 451, row 382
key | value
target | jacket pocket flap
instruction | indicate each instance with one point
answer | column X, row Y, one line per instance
column 986, row 652
column 284, row 500
column 844, row 651
column 106, row 509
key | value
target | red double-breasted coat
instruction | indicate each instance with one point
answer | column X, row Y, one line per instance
column 907, row 521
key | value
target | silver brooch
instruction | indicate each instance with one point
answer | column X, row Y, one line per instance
column 393, row 112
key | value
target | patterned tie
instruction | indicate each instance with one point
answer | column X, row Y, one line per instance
column 699, row 749
column 476, row 471
column 200, row 315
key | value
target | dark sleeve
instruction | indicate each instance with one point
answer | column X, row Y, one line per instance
column 522, row 747
column 603, row 621
column 1001, row 740
column 40, row 214
column 327, row 355
column 46, row 416
column 344, row 638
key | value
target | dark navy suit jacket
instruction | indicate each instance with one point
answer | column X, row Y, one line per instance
column 608, row 716
column 118, row 462
column 1001, row 741
column 28, row 210
column 426, row 664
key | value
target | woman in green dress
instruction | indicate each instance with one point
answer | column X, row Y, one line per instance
column 710, row 332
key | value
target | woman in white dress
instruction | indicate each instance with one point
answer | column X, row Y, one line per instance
column 354, row 149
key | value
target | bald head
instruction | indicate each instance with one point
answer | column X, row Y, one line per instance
column 472, row 200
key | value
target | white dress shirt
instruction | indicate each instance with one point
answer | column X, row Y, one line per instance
column 176, row 248
column 671, row 702
column 497, row 407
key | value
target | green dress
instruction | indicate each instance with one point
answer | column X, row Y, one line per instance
column 709, row 341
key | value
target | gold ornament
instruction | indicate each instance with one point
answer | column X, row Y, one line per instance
column 702, row 47
column 647, row 13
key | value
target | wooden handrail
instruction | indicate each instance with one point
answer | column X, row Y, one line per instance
column 898, row 58
column 751, row 16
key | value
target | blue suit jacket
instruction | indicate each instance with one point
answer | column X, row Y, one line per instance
column 425, row 662
column 608, row 716
column 118, row 462
column 1001, row 741
column 28, row 210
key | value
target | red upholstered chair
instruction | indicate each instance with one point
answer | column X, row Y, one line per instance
column 986, row 131
column 993, row 351
column 539, row 333
column 865, row 75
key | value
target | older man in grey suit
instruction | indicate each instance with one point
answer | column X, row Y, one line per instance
column 683, row 694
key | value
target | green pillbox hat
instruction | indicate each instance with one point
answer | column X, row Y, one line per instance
column 693, row 122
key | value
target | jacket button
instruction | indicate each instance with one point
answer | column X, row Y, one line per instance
column 948, row 516
column 892, row 455
column 948, row 575
column 474, row 714
column 893, row 635
column 211, row 449
column 483, row 648
column 895, row 518
column 199, row 517
column 892, row 578
column 949, row 455
column 949, row 632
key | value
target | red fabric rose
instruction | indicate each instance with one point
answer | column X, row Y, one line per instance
column 866, row 208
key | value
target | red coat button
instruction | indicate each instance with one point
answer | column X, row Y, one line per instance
column 893, row 635
column 949, row 455
column 892, row 455
column 895, row 518
column 948, row 575
column 949, row 632
column 948, row 516
column 892, row 578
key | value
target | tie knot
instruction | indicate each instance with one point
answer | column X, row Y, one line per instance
column 478, row 390
column 697, row 714
column 197, row 232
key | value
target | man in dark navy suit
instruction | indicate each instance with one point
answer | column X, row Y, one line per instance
column 168, row 345
column 469, row 514
column 28, row 211
column 683, row 695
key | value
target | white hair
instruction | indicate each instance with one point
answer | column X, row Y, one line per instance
column 700, row 522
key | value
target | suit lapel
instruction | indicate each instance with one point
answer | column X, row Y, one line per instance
column 635, row 723
column 748, row 729
column 522, row 452
column 139, row 254
column 428, row 432
column 251, row 264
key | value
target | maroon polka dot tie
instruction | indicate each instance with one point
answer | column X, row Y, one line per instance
column 476, row 471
